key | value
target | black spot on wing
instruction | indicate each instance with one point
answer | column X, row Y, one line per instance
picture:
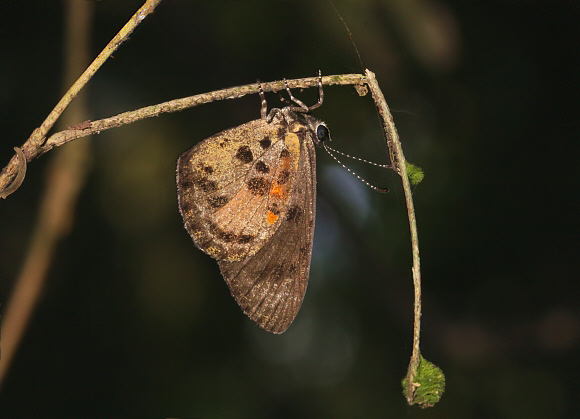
column 244, row 154
column 206, row 185
column 245, row 238
column 228, row 237
column 294, row 213
column 265, row 142
column 274, row 208
column 217, row 201
column 258, row 186
column 262, row 167
column 283, row 176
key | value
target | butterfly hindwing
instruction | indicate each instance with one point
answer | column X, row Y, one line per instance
column 270, row 285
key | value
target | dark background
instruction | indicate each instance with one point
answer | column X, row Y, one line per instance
column 134, row 320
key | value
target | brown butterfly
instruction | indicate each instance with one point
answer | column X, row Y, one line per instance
column 248, row 199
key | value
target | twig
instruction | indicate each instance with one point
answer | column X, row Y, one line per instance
column 95, row 127
column 37, row 138
column 424, row 383
column 175, row 105
column 64, row 179
column 398, row 162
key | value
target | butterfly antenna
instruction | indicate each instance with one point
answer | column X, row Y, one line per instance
column 330, row 150
column 385, row 166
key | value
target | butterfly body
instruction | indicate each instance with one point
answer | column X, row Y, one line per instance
column 247, row 196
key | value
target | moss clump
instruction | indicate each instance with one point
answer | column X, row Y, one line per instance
column 428, row 386
column 415, row 173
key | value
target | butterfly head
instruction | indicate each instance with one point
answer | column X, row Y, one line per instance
column 318, row 128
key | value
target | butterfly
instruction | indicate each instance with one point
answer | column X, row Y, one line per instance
column 247, row 196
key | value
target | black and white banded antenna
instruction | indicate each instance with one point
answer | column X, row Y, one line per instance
column 331, row 150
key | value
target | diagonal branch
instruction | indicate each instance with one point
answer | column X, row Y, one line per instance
column 95, row 127
column 34, row 143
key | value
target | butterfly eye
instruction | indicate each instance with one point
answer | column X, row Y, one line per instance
column 322, row 133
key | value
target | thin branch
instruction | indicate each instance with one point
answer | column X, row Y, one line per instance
column 95, row 127
column 92, row 127
column 398, row 162
column 37, row 138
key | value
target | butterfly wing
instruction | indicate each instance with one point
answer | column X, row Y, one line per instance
column 270, row 285
column 224, row 185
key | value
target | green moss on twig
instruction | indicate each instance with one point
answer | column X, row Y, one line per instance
column 416, row 174
column 428, row 386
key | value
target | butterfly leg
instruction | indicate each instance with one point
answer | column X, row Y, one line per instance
column 301, row 106
column 320, row 93
column 276, row 113
column 264, row 108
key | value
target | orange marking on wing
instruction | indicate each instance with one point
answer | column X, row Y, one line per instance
column 279, row 191
column 272, row 217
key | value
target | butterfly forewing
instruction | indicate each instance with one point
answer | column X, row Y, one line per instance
column 224, row 184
